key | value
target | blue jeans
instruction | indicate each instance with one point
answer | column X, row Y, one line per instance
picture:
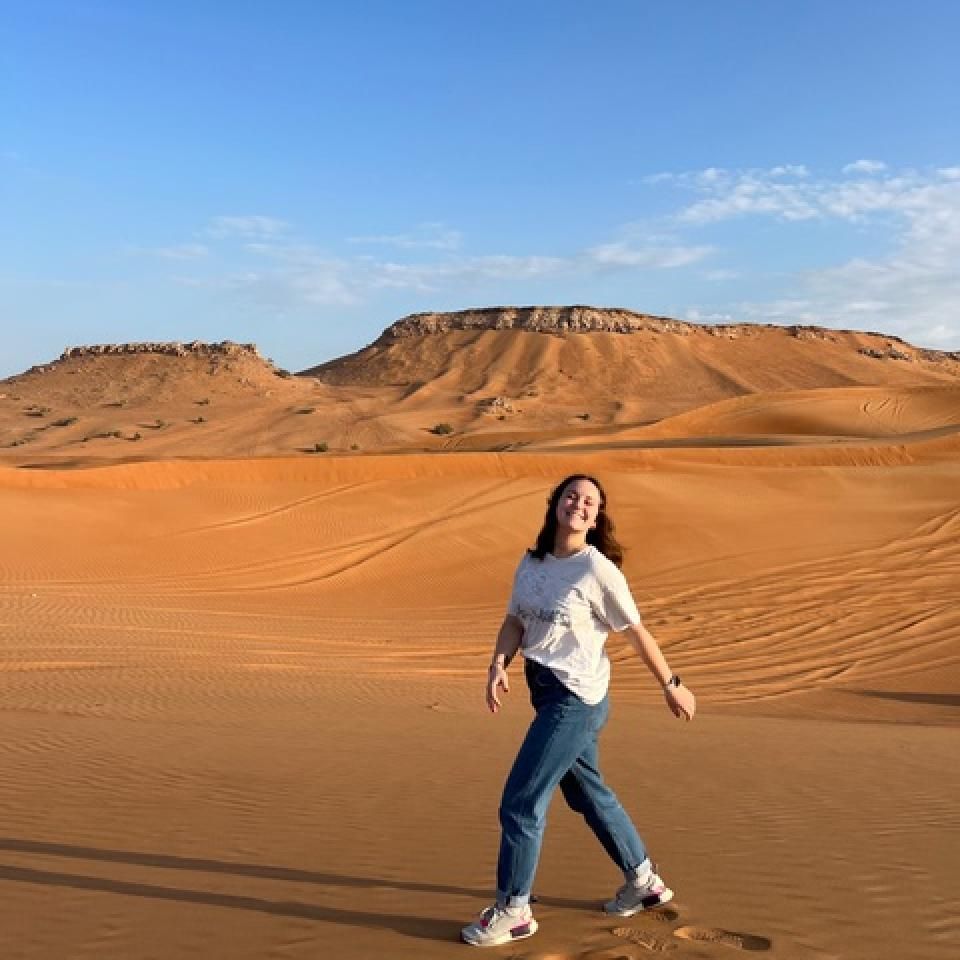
column 560, row 749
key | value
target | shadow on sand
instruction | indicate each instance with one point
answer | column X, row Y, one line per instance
column 935, row 699
column 427, row 928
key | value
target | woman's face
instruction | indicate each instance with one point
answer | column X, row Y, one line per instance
column 578, row 506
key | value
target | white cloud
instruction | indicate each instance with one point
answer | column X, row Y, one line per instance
column 865, row 166
column 694, row 315
column 651, row 257
column 432, row 277
column 184, row 251
column 790, row 170
column 429, row 236
column 728, row 195
column 292, row 272
column 246, row 227
column 914, row 291
column 721, row 274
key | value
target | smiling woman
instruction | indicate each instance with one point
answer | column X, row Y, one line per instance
column 568, row 595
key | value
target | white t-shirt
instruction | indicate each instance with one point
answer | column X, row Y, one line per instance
column 568, row 606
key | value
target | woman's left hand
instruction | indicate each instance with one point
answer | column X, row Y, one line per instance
column 681, row 701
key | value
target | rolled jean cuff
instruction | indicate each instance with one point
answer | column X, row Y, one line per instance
column 639, row 873
column 520, row 900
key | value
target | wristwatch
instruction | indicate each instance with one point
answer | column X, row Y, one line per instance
column 674, row 681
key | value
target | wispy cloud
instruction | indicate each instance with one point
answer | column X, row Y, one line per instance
column 914, row 291
column 790, row 193
column 184, row 251
column 284, row 270
column 427, row 236
column 865, row 166
column 650, row 257
column 246, row 227
column 432, row 277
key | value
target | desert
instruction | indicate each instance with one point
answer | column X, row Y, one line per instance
column 246, row 612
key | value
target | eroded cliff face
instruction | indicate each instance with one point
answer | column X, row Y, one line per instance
column 573, row 319
column 578, row 319
column 171, row 349
column 585, row 319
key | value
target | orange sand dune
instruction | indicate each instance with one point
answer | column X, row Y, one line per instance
column 840, row 412
column 473, row 389
column 244, row 719
column 245, row 619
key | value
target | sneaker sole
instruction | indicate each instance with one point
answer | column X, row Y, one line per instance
column 517, row 933
column 665, row 897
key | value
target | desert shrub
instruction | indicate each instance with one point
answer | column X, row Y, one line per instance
column 280, row 372
column 64, row 422
column 441, row 429
column 306, row 410
column 321, row 447
column 199, row 420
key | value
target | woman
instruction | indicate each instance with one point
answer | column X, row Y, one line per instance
column 568, row 594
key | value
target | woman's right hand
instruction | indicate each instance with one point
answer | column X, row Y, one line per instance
column 497, row 680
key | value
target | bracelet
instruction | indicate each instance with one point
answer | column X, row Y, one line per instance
column 674, row 681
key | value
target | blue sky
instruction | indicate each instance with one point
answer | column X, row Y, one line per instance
column 301, row 174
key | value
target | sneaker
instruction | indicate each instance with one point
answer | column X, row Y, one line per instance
column 635, row 896
column 498, row 925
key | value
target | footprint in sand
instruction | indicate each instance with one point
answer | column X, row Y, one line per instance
column 643, row 938
column 727, row 938
column 661, row 914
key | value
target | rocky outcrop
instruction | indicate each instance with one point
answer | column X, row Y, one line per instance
column 576, row 319
column 172, row 349
column 585, row 319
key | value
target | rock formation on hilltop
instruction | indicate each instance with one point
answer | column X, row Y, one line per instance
column 573, row 319
column 586, row 319
column 172, row 349
column 578, row 352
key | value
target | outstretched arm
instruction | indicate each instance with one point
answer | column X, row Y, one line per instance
column 679, row 699
column 508, row 643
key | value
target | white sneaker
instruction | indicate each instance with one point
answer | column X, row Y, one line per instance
column 497, row 925
column 636, row 895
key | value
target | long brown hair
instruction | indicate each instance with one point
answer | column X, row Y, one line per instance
column 601, row 536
